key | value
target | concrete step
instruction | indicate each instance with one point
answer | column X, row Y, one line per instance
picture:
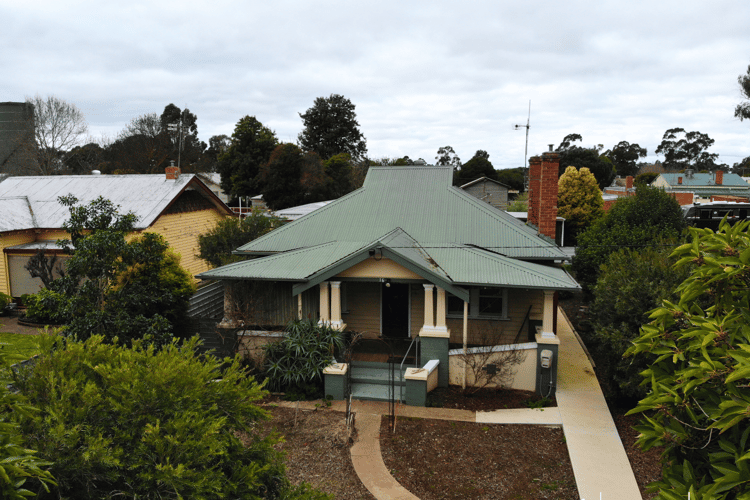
column 374, row 392
column 374, row 375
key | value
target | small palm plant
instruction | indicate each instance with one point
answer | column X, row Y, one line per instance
column 301, row 356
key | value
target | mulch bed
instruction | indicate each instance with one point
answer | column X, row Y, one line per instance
column 486, row 399
column 437, row 459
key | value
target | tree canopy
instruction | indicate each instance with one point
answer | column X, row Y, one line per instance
column 643, row 220
column 478, row 166
column 683, row 150
column 331, row 128
column 580, row 157
column 58, row 127
column 697, row 353
column 216, row 246
column 742, row 111
column 579, row 200
column 115, row 287
column 446, row 156
column 251, row 146
column 512, row 177
column 625, row 156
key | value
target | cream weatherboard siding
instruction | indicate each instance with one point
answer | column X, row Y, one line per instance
column 181, row 230
column 9, row 240
column 363, row 302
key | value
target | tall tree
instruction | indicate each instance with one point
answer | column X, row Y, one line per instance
column 58, row 127
column 446, row 156
column 331, row 127
column 580, row 157
column 742, row 111
column 251, row 146
column 478, row 166
column 683, row 150
column 625, row 157
column 338, row 170
column 511, row 177
column 281, row 177
column 579, row 200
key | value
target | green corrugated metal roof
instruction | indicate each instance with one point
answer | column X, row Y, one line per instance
column 421, row 201
column 451, row 267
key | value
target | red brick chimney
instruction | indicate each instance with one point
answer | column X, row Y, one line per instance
column 543, row 177
column 548, row 199
column 535, row 177
column 719, row 177
column 173, row 173
column 679, row 180
column 629, row 182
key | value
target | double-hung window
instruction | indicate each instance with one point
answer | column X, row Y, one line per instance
column 484, row 302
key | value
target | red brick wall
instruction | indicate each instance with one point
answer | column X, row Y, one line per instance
column 172, row 172
column 683, row 198
column 548, row 194
column 719, row 177
column 535, row 178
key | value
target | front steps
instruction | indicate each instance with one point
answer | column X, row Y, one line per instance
column 370, row 381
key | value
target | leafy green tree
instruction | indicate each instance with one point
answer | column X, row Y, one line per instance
column 145, row 423
column 697, row 350
column 331, row 128
column 114, row 287
column 339, row 170
column 217, row 245
column 446, row 156
column 281, row 177
column 579, row 200
column 643, row 220
column 632, row 282
column 625, row 156
column 251, row 146
column 581, row 157
column 478, row 166
column 511, row 177
column 742, row 111
column 683, row 150
column 22, row 472
column 82, row 160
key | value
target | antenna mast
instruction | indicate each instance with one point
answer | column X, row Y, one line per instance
column 526, row 149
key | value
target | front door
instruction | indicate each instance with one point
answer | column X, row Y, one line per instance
column 395, row 310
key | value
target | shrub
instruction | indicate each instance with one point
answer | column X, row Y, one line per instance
column 20, row 468
column 698, row 355
column 147, row 423
column 632, row 282
column 4, row 301
column 47, row 306
column 299, row 358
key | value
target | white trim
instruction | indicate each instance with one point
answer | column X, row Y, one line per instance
column 494, row 348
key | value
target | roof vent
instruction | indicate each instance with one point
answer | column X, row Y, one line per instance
column 96, row 172
column 551, row 147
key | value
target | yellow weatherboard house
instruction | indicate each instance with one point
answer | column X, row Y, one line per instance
column 177, row 206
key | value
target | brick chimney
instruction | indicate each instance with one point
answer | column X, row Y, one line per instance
column 535, row 177
column 173, row 173
column 679, row 180
column 543, row 177
column 719, row 177
column 629, row 183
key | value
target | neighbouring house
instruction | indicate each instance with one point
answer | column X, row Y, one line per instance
column 408, row 256
column 491, row 191
column 716, row 186
column 178, row 206
column 213, row 181
column 621, row 188
column 294, row 213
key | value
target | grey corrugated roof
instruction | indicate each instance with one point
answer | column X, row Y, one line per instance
column 15, row 214
column 294, row 213
column 145, row 195
column 421, row 201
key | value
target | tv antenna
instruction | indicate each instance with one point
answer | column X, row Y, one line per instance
column 526, row 149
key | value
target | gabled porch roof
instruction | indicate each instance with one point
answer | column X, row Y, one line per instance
column 451, row 267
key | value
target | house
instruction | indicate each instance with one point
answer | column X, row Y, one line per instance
column 294, row 213
column 491, row 191
column 717, row 186
column 178, row 206
column 408, row 256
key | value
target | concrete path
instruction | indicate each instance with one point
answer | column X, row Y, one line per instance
column 600, row 464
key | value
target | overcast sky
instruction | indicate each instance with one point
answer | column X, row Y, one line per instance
column 421, row 74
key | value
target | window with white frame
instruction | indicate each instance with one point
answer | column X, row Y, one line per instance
column 484, row 302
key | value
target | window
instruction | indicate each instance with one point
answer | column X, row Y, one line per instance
column 484, row 302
